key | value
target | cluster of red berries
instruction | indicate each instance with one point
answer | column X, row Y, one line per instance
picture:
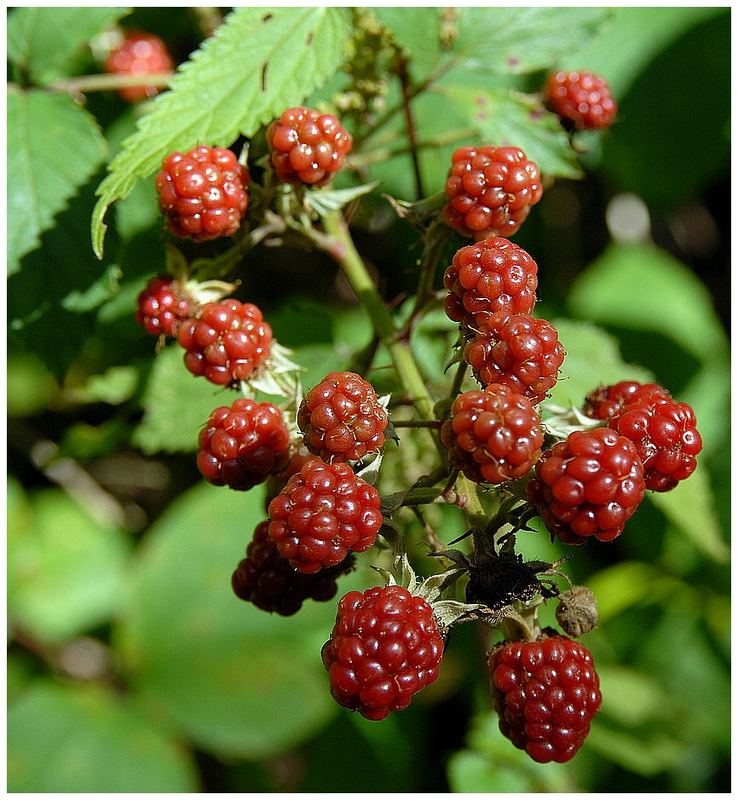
column 139, row 54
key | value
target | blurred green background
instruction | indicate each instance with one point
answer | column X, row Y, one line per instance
column 131, row 665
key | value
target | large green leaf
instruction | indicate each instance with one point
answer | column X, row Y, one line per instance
column 85, row 739
column 238, row 681
column 54, row 146
column 257, row 63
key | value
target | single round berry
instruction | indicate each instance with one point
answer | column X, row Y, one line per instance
column 307, row 146
column 588, row 485
column 268, row 581
column 324, row 513
column 607, row 401
column 493, row 436
column 490, row 190
column 225, row 341
column 546, row 693
column 522, row 353
column 490, row 280
column 581, row 98
column 342, row 419
column 139, row 54
column 385, row 647
column 163, row 305
column 203, row 193
column 242, row 444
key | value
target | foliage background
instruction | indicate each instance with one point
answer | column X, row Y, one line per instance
column 131, row 667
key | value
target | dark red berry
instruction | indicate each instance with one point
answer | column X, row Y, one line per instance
column 139, row 54
column 225, row 341
column 490, row 190
column 490, row 280
column 307, row 146
column 523, row 353
column 582, row 98
column 322, row 514
column 385, row 647
column 589, row 485
column 163, row 305
column 242, row 444
column 268, row 581
column 342, row 419
column 607, row 401
column 493, row 436
column 546, row 693
column 203, row 193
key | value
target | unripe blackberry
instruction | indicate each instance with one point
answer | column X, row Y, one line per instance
column 546, row 693
column 589, row 485
column 203, row 193
column 307, row 146
column 607, row 401
column 385, row 647
column 490, row 190
column 342, row 419
column 523, row 353
column 139, row 54
column 163, row 305
column 268, row 581
column 493, row 436
column 242, row 444
column 225, row 341
column 581, row 98
column 324, row 513
column 490, row 281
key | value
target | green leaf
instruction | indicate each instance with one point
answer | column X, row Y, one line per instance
column 505, row 117
column 631, row 697
column 644, row 755
column 323, row 202
column 522, row 39
column 240, row 682
column 114, row 386
column 417, row 31
column 65, row 570
column 258, row 62
column 85, row 739
column 54, row 146
column 624, row 585
column 45, row 41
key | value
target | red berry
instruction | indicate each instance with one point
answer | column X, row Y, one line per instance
column 385, row 647
column 163, row 305
column 522, row 353
column 203, row 193
column 322, row 514
column 546, row 693
column 493, row 436
column 307, row 146
column 581, row 98
column 243, row 444
column 139, row 54
column 588, row 485
column 606, row 401
column 268, row 581
column 342, row 419
column 225, row 341
column 491, row 279
column 490, row 190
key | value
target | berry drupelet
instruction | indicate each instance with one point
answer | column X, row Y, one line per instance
column 163, row 305
column 139, row 54
column 385, row 647
column 490, row 190
column 608, row 401
column 582, row 99
column 203, row 193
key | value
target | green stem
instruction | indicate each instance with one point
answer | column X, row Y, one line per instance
column 102, row 83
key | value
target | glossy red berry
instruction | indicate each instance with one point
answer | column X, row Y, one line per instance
column 493, row 436
column 490, row 281
column 582, row 98
column 523, row 353
column 242, row 444
column 607, row 401
column 589, row 485
column 385, row 647
column 163, row 305
column 307, row 146
column 546, row 693
column 490, row 190
column 225, row 341
column 324, row 513
column 342, row 419
column 139, row 54
column 203, row 193
column 268, row 581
